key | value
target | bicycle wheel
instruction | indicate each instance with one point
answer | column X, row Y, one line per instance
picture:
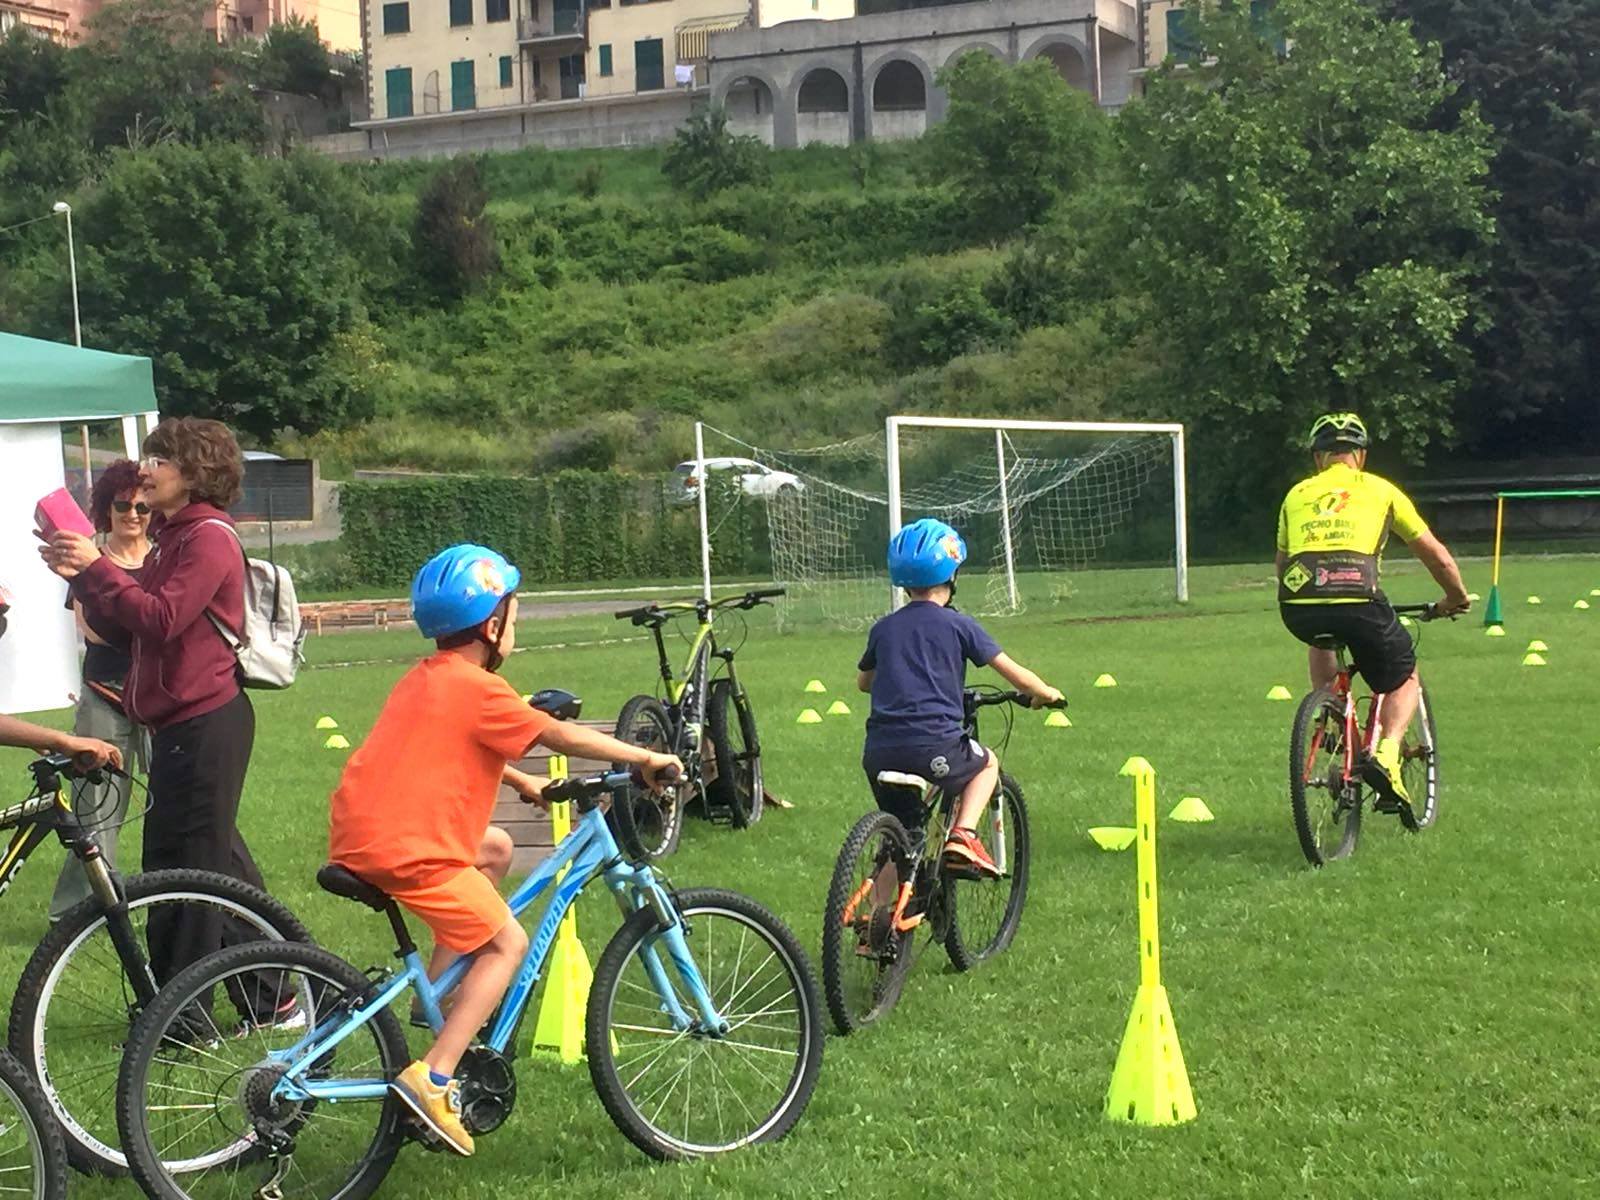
column 864, row 959
column 646, row 823
column 681, row 1093
column 732, row 727
column 1327, row 807
column 983, row 914
column 1419, row 766
column 195, row 1102
column 33, row 1161
column 74, row 1002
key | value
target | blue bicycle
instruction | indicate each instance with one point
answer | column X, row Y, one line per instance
column 703, row 1034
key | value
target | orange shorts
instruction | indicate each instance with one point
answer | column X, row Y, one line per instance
column 464, row 911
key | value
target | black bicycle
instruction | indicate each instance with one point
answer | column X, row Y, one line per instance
column 90, row 976
column 33, row 1161
column 890, row 883
column 705, row 706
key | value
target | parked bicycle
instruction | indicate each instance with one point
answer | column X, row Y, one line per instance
column 1331, row 772
column 703, row 1034
column 33, row 1160
column 704, row 705
column 890, row 883
column 90, row 976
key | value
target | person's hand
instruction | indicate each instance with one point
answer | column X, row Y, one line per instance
column 529, row 787
column 661, row 769
column 88, row 753
column 69, row 553
column 1452, row 606
column 1047, row 697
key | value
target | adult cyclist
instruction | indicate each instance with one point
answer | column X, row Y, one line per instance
column 1331, row 533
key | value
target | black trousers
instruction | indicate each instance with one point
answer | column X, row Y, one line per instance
column 197, row 770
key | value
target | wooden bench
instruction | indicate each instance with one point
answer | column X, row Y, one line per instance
column 528, row 824
column 343, row 614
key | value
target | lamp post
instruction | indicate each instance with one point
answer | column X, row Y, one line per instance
column 63, row 208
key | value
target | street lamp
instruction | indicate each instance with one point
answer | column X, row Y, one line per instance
column 61, row 207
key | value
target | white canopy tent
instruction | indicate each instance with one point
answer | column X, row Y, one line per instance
column 43, row 387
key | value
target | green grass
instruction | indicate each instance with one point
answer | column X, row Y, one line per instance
column 1418, row 1021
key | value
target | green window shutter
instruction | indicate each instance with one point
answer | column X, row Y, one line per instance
column 460, row 12
column 397, row 18
column 463, row 86
column 397, row 87
column 497, row 10
column 648, row 70
column 605, row 60
column 1181, row 43
column 505, row 70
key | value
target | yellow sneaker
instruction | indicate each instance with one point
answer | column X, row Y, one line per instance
column 439, row 1108
column 1387, row 760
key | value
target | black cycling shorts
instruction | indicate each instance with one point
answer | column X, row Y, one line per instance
column 1380, row 647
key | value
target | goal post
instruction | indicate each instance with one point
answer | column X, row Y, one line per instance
column 894, row 425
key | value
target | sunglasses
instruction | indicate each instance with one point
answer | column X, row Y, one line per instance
column 123, row 506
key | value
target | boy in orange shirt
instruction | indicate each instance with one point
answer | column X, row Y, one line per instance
column 411, row 813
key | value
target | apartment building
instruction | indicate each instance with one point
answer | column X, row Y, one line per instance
column 67, row 21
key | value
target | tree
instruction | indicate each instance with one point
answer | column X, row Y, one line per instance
column 453, row 240
column 196, row 257
column 707, row 157
column 1532, row 68
column 1015, row 139
column 1305, row 232
column 292, row 58
column 33, row 73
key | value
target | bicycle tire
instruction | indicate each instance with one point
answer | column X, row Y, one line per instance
column 75, row 935
column 969, row 946
column 32, row 1142
column 1419, row 766
column 841, row 933
column 737, row 787
column 1320, row 708
column 152, row 1033
column 647, row 824
column 604, row 1043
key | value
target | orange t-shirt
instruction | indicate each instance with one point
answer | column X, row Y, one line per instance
column 414, row 801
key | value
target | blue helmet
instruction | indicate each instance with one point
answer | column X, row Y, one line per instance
column 925, row 554
column 460, row 587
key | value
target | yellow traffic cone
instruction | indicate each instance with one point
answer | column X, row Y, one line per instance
column 1495, row 631
column 1105, row 681
column 1279, row 692
column 1580, row 604
column 1191, row 810
column 1534, row 600
column 1112, row 837
column 838, row 709
column 1533, row 660
column 337, row 741
column 808, row 716
column 1537, row 647
column 1058, row 720
column 815, row 685
column 327, row 723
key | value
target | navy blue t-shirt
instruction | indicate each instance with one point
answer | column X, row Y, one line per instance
column 920, row 656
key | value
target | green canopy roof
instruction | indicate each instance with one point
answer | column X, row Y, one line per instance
column 48, row 381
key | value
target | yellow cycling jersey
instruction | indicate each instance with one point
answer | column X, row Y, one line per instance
column 1332, row 528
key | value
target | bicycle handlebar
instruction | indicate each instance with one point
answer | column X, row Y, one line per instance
column 48, row 765
column 979, row 699
column 585, row 790
column 1423, row 612
column 651, row 613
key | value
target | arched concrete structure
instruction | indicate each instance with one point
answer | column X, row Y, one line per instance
column 752, row 101
column 823, row 103
column 1070, row 56
column 899, row 97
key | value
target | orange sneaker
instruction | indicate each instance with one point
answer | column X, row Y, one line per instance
column 965, row 856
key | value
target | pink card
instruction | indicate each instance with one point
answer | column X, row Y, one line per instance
column 59, row 511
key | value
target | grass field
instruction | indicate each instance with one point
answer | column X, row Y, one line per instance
column 1418, row 1021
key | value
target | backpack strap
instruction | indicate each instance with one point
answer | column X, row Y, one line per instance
column 234, row 641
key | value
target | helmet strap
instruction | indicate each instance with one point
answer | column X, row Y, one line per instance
column 496, row 659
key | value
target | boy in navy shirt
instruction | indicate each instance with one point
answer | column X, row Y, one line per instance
column 915, row 667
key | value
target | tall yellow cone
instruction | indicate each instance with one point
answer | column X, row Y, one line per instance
column 337, row 741
column 815, row 685
column 808, row 716
column 1150, row 1084
column 1279, row 692
column 1533, row 660
column 559, row 1028
column 327, row 723
column 838, row 709
column 1105, row 681
column 1058, row 720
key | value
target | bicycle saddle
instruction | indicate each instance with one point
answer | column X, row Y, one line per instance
column 1327, row 641
column 343, row 882
column 900, row 779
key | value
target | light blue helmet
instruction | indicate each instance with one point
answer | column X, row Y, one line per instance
column 925, row 554
column 460, row 587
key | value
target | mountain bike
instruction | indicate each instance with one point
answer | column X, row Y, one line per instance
column 703, row 1033
column 33, row 1161
column 1331, row 771
column 703, row 702
column 90, row 975
column 890, row 883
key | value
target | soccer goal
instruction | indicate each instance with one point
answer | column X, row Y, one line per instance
column 1044, row 506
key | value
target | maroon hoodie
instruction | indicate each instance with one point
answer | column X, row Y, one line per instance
column 181, row 666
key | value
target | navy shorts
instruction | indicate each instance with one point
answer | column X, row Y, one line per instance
column 950, row 766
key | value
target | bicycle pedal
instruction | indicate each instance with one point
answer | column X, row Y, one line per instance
column 417, row 1132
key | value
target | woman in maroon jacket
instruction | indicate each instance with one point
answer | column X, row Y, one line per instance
column 183, row 682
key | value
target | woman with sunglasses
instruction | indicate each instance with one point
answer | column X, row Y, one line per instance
column 119, row 512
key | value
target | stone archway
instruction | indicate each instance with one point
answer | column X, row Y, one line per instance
column 751, row 105
column 1069, row 59
column 899, row 100
column 822, row 107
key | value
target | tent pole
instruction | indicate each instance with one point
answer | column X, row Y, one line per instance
column 88, row 470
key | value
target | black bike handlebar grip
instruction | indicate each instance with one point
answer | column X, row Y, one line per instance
column 766, row 593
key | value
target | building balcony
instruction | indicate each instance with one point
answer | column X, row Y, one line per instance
column 548, row 25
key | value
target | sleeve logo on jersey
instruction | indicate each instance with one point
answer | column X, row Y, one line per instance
column 1331, row 502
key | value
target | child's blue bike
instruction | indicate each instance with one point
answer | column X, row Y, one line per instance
column 703, row 1034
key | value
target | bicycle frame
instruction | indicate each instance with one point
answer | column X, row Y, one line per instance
column 1357, row 741
column 590, row 849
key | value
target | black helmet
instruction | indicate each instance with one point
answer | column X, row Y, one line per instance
column 1333, row 431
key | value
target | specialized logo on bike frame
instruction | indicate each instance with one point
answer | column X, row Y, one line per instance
column 939, row 767
column 1296, row 577
column 1331, row 502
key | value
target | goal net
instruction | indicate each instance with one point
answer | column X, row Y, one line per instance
column 1045, row 508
